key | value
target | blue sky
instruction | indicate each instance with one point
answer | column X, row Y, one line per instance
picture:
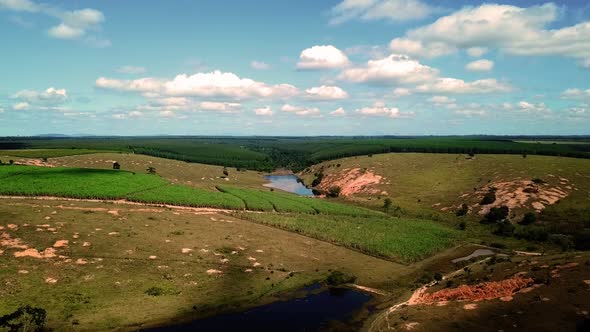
column 352, row 67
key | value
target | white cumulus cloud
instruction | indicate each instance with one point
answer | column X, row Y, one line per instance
column 213, row 84
column 514, row 30
column 21, row 106
column 263, row 111
column 379, row 109
column 390, row 70
column 51, row 96
column 325, row 92
column 416, row 48
column 300, row 110
column 458, row 86
column 220, row 106
column 480, row 65
column 576, row 94
column 322, row 57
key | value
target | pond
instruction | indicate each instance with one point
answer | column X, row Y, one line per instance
column 310, row 313
column 290, row 183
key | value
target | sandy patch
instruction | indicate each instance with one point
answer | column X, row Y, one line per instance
column 153, row 257
column 186, row 250
column 213, row 271
column 47, row 253
column 12, row 227
column 353, row 181
column 518, row 194
column 113, row 212
column 23, row 271
column 114, row 233
column 410, row 326
column 86, row 244
column 61, row 244
column 8, row 242
column 50, row 280
column 81, row 261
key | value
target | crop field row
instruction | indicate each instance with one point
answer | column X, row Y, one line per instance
column 110, row 184
column 188, row 196
column 407, row 240
column 281, row 202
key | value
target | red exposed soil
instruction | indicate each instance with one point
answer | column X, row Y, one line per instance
column 352, row 181
column 479, row 292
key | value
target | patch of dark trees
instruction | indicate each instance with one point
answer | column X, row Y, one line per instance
column 568, row 229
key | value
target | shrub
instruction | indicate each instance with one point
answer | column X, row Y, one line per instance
column 462, row 225
column 563, row 241
column 387, row 204
column 438, row 276
column 538, row 181
column 538, row 234
column 462, row 210
column 154, row 291
column 334, row 191
column 339, row 278
column 504, row 228
column 25, row 318
column 498, row 245
column 488, row 198
column 318, row 179
column 582, row 240
column 528, row 218
column 495, row 215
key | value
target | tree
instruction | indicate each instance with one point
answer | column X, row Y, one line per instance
column 151, row 170
column 488, row 198
column 225, row 172
column 25, row 318
column 528, row 218
column 387, row 204
column 11, row 162
column 495, row 215
column 462, row 210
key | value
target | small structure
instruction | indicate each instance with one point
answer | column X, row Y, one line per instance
column 116, row 165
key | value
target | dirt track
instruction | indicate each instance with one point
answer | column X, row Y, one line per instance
column 121, row 202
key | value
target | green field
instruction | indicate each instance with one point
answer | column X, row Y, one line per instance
column 112, row 184
column 407, row 240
